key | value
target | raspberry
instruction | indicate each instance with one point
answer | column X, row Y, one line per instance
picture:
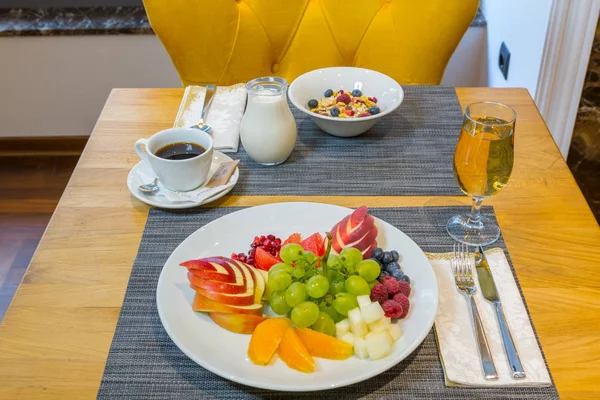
column 344, row 98
column 379, row 293
column 404, row 303
column 392, row 309
column 391, row 284
column 404, row 288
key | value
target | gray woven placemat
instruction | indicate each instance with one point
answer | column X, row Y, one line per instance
column 143, row 363
column 407, row 153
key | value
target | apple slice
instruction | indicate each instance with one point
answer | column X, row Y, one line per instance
column 207, row 270
column 358, row 216
column 204, row 304
column 238, row 323
column 260, row 283
column 223, row 287
column 355, row 230
column 240, row 299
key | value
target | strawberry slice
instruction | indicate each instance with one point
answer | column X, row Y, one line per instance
column 315, row 244
column 264, row 260
column 294, row 238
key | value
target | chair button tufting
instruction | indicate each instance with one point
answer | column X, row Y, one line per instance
column 275, row 68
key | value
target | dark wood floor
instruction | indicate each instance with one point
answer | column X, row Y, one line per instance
column 32, row 181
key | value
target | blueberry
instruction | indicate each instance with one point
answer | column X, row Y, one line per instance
column 394, row 265
column 356, row 93
column 387, row 257
column 335, row 112
column 391, row 267
column 313, row 103
column 398, row 274
column 383, row 274
column 395, row 255
column 404, row 278
column 374, row 110
column 328, row 93
column 377, row 254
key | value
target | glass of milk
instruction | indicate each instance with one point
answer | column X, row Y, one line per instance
column 268, row 130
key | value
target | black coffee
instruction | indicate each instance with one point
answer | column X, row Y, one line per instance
column 180, row 151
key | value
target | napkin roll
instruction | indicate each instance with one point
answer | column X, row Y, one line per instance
column 224, row 115
column 456, row 339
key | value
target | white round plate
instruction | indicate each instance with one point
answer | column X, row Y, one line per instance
column 225, row 353
column 157, row 200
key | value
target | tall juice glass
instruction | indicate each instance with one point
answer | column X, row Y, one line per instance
column 483, row 162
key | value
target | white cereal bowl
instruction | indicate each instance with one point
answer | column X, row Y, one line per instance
column 313, row 84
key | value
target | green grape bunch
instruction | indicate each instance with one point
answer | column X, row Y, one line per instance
column 317, row 291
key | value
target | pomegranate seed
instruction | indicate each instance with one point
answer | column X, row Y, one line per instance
column 234, row 256
column 374, row 100
column 268, row 243
column 271, row 237
column 251, row 253
column 250, row 260
column 262, row 238
column 341, row 92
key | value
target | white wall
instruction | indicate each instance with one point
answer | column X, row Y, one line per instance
column 57, row 85
column 468, row 65
column 522, row 25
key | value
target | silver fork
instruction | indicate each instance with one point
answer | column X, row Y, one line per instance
column 463, row 275
column 208, row 98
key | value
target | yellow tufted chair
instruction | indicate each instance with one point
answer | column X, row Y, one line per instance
column 232, row 41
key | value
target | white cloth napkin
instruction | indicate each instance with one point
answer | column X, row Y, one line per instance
column 224, row 115
column 199, row 195
column 456, row 339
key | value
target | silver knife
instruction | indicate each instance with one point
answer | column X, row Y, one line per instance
column 490, row 293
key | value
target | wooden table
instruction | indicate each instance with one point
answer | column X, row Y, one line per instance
column 56, row 335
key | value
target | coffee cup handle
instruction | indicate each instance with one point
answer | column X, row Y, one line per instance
column 140, row 150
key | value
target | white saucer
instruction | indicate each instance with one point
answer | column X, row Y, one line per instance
column 157, row 200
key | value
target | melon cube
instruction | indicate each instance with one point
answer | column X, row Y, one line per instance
column 360, row 348
column 373, row 312
column 378, row 344
column 349, row 337
column 381, row 324
column 341, row 328
column 358, row 326
column 363, row 301
column 395, row 332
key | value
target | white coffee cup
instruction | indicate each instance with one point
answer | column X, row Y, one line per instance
column 178, row 175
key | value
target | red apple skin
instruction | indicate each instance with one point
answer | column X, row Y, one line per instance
column 213, row 276
column 358, row 232
column 204, row 269
column 358, row 216
column 202, row 303
column 216, row 286
column 335, row 242
column 259, row 282
column 341, row 238
column 357, row 229
column 367, row 240
column 232, row 300
column 238, row 323
column 369, row 251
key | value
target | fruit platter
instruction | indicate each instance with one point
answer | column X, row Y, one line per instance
column 297, row 296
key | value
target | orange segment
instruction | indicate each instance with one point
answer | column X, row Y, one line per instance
column 266, row 339
column 294, row 354
column 324, row 346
